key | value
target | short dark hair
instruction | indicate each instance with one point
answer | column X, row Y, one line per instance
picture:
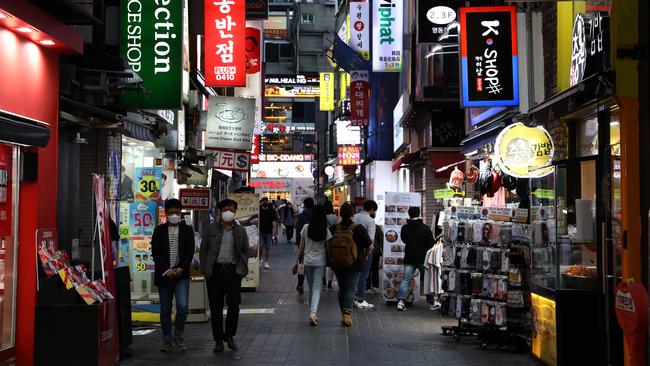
column 414, row 211
column 347, row 211
column 264, row 199
column 227, row 202
column 329, row 208
column 308, row 202
column 370, row 205
column 173, row 203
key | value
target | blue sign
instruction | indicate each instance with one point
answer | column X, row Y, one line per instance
column 142, row 219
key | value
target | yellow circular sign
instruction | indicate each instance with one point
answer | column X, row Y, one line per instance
column 524, row 152
column 148, row 187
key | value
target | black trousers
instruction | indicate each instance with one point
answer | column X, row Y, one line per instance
column 224, row 283
column 373, row 278
column 289, row 232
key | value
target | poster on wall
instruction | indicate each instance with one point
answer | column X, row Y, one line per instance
column 359, row 98
column 387, row 30
column 147, row 184
column 397, row 206
column 230, row 123
column 142, row 218
column 360, row 27
column 225, row 49
column 152, row 43
column 142, row 257
column 488, row 49
column 247, row 210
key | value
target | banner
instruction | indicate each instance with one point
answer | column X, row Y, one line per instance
column 230, row 123
column 359, row 98
column 247, row 210
column 151, row 42
column 387, row 31
column 142, row 218
column 147, row 184
column 349, row 155
column 397, row 206
column 360, row 28
column 326, row 91
column 488, row 43
column 232, row 160
column 225, row 48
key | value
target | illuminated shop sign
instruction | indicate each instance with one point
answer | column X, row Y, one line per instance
column 489, row 56
column 360, row 27
column 524, row 152
column 292, row 80
column 346, row 134
column 230, row 123
column 282, row 170
column 359, row 98
column 349, row 155
column 326, row 91
column 590, row 42
column 387, row 30
column 257, row 9
column 275, row 91
column 286, row 157
column 225, row 47
column 433, row 19
column 270, row 184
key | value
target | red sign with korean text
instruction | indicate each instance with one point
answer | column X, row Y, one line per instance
column 359, row 98
column 232, row 160
column 269, row 184
column 253, row 54
column 255, row 151
column 349, row 155
column 196, row 198
column 225, row 46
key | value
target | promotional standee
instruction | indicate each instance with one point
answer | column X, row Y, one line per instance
column 248, row 209
column 397, row 206
column 631, row 305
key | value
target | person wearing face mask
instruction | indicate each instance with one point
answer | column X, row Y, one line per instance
column 224, row 263
column 172, row 248
column 268, row 222
column 366, row 218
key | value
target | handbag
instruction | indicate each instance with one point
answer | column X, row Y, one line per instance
column 299, row 268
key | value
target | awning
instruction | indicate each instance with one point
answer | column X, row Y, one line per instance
column 441, row 159
column 347, row 58
column 138, row 131
column 480, row 138
column 22, row 130
column 406, row 159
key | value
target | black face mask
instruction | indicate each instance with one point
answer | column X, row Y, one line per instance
column 373, row 215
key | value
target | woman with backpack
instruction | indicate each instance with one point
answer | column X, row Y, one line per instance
column 313, row 255
column 350, row 244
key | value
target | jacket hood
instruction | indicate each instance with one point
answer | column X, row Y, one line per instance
column 412, row 224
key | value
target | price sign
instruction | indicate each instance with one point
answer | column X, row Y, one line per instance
column 124, row 231
column 196, row 199
column 147, row 184
column 142, row 258
column 143, row 219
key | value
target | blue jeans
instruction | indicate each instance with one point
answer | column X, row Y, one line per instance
column 363, row 276
column 409, row 271
column 179, row 289
column 347, row 280
column 314, row 276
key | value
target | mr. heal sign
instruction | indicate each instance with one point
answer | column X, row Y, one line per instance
column 152, row 44
column 489, row 56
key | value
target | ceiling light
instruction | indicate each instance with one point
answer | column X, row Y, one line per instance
column 47, row 42
column 25, row 29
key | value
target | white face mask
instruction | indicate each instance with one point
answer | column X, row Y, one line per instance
column 174, row 219
column 227, row 216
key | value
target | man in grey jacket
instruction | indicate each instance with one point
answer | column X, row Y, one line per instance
column 224, row 263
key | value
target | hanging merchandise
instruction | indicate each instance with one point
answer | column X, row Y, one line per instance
column 508, row 182
column 472, row 174
column 456, row 179
column 495, row 183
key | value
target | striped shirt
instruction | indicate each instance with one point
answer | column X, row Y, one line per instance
column 173, row 246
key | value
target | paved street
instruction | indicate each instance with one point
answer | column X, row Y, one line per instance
column 379, row 337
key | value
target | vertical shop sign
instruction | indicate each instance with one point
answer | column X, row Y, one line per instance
column 326, row 91
column 488, row 41
column 255, row 151
column 590, row 45
column 387, row 29
column 349, row 155
column 142, row 218
column 360, row 27
column 249, row 208
column 147, row 184
column 359, row 98
column 152, row 44
column 225, row 50
column 230, row 123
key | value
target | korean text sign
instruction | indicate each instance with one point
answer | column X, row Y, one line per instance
column 387, row 30
column 326, row 91
column 359, row 98
column 488, row 41
column 349, row 155
column 147, row 184
column 230, row 123
column 151, row 41
column 225, row 46
column 360, row 27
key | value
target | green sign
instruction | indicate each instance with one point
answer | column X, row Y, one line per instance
column 152, row 44
column 447, row 193
column 545, row 193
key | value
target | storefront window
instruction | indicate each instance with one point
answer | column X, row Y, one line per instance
column 8, row 224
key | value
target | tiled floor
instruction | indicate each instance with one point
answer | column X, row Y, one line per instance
column 381, row 336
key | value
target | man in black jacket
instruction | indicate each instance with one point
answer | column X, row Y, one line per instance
column 172, row 247
column 418, row 239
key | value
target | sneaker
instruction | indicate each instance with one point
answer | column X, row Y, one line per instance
column 434, row 307
column 179, row 342
column 266, row 265
column 401, row 306
column 363, row 304
column 167, row 347
column 313, row 320
column 347, row 320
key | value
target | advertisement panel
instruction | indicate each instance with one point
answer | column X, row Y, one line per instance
column 196, row 198
column 253, row 88
column 147, row 184
column 360, row 27
column 282, row 170
column 488, row 40
column 326, row 91
column 276, row 27
column 232, row 160
column 397, row 205
column 387, row 30
column 230, row 123
column 349, row 155
column 359, row 98
column 225, row 47
column 151, row 42
column 433, row 19
column 142, row 218
column 248, row 208
column 142, row 257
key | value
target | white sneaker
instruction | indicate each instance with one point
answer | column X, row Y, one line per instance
column 266, row 266
column 401, row 306
column 363, row 305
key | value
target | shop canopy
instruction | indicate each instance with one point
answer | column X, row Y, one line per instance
column 347, row 58
column 23, row 131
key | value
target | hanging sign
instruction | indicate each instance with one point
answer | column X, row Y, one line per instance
column 143, row 218
column 326, row 91
column 524, row 152
column 151, row 41
column 349, row 155
column 387, row 31
column 230, row 123
column 255, row 151
column 196, row 198
column 359, row 98
column 253, row 47
column 488, row 43
column 590, row 42
column 433, row 18
column 147, row 184
column 225, row 46
column 360, row 27
column 232, row 160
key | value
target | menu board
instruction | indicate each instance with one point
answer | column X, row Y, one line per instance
column 397, row 206
column 248, row 209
